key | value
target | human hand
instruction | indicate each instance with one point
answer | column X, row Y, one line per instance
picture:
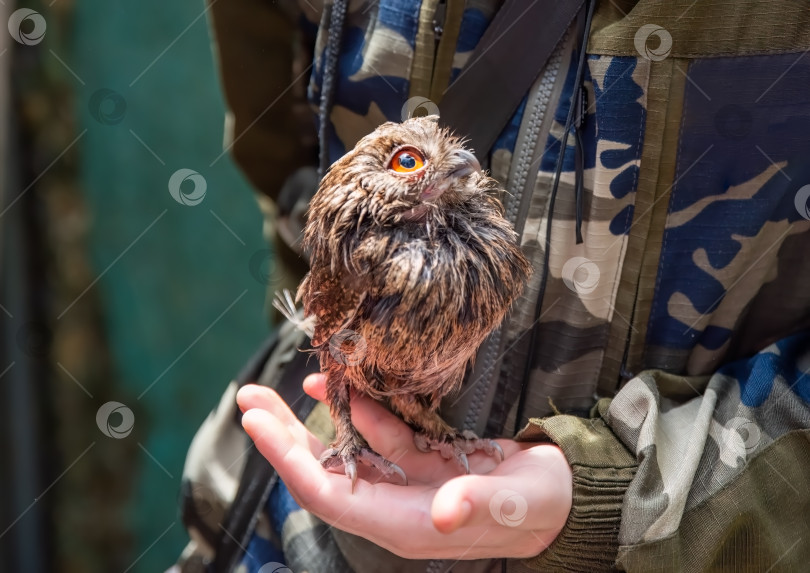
column 512, row 509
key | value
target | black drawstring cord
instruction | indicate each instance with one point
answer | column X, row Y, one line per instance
column 329, row 67
column 577, row 104
column 579, row 160
column 581, row 105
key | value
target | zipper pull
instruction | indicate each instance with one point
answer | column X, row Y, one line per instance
column 583, row 106
column 439, row 17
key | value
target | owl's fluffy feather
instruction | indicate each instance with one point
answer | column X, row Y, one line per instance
column 419, row 267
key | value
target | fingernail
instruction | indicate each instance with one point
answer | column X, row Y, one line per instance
column 247, row 420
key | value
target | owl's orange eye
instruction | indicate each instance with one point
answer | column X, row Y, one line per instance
column 407, row 160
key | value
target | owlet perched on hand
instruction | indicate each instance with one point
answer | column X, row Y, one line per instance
column 412, row 266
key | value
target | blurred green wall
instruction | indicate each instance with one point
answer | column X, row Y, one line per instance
column 182, row 308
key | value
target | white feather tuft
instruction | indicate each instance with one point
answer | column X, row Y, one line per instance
column 286, row 306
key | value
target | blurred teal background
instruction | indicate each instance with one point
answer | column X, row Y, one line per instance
column 181, row 307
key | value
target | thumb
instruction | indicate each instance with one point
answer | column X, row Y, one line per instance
column 532, row 489
column 482, row 500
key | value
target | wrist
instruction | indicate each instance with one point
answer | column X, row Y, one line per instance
column 601, row 471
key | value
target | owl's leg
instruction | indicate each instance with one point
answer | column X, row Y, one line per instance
column 433, row 433
column 349, row 447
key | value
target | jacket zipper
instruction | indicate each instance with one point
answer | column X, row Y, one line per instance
column 520, row 181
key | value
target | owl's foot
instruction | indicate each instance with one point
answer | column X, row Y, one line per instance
column 352, row 451
column 456, row 446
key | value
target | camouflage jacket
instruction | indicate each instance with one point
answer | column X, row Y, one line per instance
column 673, row 349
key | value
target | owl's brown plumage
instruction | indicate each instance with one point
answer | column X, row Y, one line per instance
column 412, row 266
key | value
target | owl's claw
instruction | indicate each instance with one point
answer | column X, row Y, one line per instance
column 496, row 449
column 350, row 454
column 461, row 459
column 457, row 446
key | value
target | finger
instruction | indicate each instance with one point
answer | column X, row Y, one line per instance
column 315, row 386
column 296, row 465
column 328, row 495
column 253, row 396
column 452, row 507
column 531, row 491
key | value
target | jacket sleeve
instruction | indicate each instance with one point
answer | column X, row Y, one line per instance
column 262, row 51
column 691, row 473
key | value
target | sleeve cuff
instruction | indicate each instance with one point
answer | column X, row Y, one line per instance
column 602, row 470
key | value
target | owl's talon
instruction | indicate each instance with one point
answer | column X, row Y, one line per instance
column 398, row 470
column 349, row 454
column 497, row 450
column 422, row 442
column 351, row 473
column 330, row 458
column 461, row 458
column 457, row 446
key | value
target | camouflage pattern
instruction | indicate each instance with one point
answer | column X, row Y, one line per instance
column 683, row 317
column 691, row 450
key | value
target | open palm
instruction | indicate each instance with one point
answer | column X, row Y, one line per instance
column 512, row 509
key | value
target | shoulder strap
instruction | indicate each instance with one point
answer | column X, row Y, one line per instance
column 503, row 66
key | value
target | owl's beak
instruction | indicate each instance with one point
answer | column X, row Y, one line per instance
column 464, row 163
column 468, row 163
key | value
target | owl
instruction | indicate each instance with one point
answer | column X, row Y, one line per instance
column 412, row 265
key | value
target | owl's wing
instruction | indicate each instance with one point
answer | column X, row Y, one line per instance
column 332, row 300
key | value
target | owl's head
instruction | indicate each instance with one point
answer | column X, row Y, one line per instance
column 402, row 173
